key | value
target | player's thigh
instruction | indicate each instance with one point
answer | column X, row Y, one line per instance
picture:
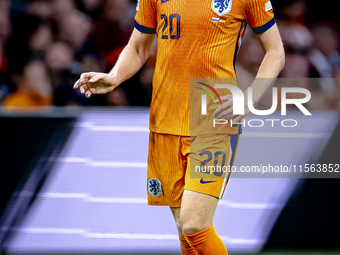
column 176, row 212
column 197, row 211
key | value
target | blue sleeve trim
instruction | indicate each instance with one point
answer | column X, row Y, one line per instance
column 145, row 30
column 264, row 28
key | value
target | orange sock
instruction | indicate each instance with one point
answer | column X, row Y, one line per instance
column 207, row 242
column 186, row 248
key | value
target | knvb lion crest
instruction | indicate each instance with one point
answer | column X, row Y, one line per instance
column 154, row 187
column 221, row 7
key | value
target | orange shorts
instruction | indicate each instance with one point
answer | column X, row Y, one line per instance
column 198, row 163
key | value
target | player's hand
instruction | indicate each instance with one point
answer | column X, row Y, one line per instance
column 95, row 83
column 225, row 111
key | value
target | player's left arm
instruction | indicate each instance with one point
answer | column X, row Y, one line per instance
column 270, row 68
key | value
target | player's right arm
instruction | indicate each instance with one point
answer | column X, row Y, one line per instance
column 129, row 62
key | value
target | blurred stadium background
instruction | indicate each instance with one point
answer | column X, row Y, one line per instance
column 72, row 178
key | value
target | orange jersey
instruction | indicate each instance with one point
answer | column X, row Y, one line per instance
column 196, row 39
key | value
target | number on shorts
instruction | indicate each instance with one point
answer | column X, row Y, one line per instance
column 216, row 154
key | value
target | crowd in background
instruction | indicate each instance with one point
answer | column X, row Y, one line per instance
column 46, row 44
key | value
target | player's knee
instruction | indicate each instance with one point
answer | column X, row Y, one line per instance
column 192, row 227
column 193, row 223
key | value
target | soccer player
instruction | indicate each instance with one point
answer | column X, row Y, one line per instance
column 195, row 39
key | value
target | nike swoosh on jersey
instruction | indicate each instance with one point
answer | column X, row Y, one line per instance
column 204, row 182
column 164, row 1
